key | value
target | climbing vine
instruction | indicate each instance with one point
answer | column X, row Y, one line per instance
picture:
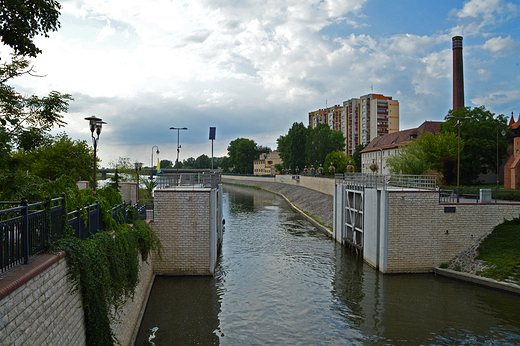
column 105, row 269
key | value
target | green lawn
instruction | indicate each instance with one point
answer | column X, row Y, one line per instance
column 501, row 251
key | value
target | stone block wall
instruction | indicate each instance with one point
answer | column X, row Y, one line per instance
column 421, row 235
column 182, row 223
column 43, row 312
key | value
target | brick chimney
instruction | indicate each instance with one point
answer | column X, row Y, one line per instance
column 458, row 73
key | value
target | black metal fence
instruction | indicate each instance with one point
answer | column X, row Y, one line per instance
column 27, row 228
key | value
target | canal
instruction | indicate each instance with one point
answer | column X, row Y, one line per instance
column 280, row 281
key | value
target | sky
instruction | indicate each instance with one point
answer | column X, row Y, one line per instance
column 253, row 68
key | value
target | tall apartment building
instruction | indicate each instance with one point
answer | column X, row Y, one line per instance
column 360, row 119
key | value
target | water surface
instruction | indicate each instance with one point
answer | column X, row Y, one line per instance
column 281, row 281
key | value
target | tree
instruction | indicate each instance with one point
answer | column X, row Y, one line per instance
column 166, row 164
column 292, row 147
column 321, row 141
column 479, row 136
column 115, row 180
column 339, row 160
column 21, row 21
column 21, row 113
column 242, row 152
column 60, row 156
column 357, row 156
column 189, row 162
column 202, row 162
column 427, row 153
column 261, row 149
column 224, row 163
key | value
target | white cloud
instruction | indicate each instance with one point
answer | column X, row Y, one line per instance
column 479, row 8
column 105, row 32
column 497, row 44
column 497, row 98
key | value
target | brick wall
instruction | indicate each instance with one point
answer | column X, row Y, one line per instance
column 43, row 312
column 421, row 235
column 181, row 221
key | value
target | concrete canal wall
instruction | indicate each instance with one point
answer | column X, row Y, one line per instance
column 36, row 307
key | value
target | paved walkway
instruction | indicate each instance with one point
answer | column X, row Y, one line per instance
column 315, row 203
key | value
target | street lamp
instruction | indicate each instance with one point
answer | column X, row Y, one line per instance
column 138, row 166
column 96, row 124
column 178, row 145
column 151, row 165
column 458, row 156
column 503, row 133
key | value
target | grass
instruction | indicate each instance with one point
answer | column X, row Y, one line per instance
column 501, row 251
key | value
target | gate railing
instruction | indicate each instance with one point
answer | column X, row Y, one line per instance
column 387, row 181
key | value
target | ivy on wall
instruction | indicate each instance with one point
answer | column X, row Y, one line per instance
column 105, row 269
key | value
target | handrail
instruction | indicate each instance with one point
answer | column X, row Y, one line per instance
column 25, row 231
column 387, row 181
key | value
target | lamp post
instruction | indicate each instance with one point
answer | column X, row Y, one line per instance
column 151, row 164
column 138, row 166
column 178, row 145
column 458, row 155
column 96, row 124
column 503, row 133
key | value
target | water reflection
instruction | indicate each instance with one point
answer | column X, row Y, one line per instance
column 281, row 281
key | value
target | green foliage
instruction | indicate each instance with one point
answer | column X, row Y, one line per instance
column 339, row 160
column 427, row 153
column 203, row 161
column 19, row 111
column 321, row 141
column 115, row 180
column 19, row 185
column 479, row 136
column 150, row 185
column 242, row 152
column 501, row 251
column 21, row 21
column 225, row 163
column 105, row 270
column 166, row 164
column 357, row 156
column 59, row 156
column 292, row 147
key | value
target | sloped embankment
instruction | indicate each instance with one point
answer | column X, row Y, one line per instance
column 317, row 204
